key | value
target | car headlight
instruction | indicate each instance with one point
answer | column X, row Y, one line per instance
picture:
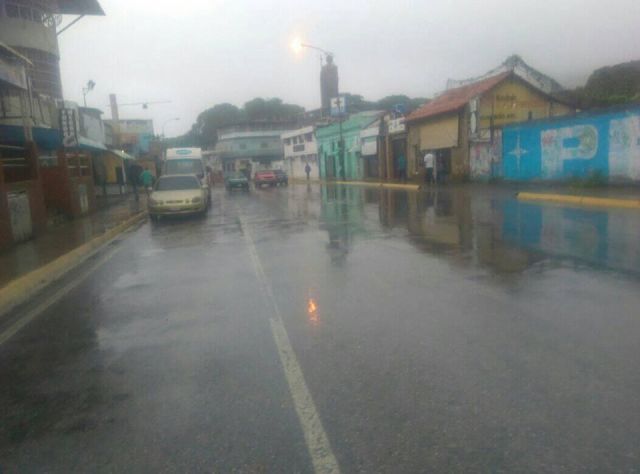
column 196, row 200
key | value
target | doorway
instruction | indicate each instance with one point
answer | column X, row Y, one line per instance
column 398, row 148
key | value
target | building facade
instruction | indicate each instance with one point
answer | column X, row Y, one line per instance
column 250, row 147
column 394, row 145
column 463, row 126
column 134, row 136
column 300, row 149
column 346, row 135
column 29, row 27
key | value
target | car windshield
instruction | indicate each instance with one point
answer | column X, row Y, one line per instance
column 177, row 183
column 235, row 174
column 184, row 166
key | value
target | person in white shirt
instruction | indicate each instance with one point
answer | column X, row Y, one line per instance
column 429, row 162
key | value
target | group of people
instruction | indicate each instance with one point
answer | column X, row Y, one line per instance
column 434, row 168
column 140, row 176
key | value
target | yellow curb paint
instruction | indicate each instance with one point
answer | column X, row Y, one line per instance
column 25, row 319
column 378, row 184
column 581, row 200
column 370, row 184
column 22, row 288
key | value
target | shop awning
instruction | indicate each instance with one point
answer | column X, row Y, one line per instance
column 78, row 7
column 45, row 138
column 91, row 145
column 441, row 132
column 122, row 154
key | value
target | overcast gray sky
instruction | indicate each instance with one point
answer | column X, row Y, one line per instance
column 212, row 51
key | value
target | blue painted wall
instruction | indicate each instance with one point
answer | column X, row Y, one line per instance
column 574, row 147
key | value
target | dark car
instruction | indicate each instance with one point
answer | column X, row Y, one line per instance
column 265, row 177
column 236, row 180
column 281, row 178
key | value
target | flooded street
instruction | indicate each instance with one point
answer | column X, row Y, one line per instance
column 445, row 330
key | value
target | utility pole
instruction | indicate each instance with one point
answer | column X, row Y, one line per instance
column 340, row 140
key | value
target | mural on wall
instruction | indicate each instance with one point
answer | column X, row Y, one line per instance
column 624, row 144
column 566, row 145
column 607, row 144
column 486, row 158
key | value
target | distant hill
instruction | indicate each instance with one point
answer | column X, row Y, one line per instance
column 610, row 85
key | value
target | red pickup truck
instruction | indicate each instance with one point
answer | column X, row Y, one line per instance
column 265, row 177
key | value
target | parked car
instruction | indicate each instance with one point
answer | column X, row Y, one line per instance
column 236, row 179
column 264, row 177
column 177, row 194
column 281, row 178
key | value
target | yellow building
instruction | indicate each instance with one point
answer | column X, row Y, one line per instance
column 462, row 126
column 113, row 166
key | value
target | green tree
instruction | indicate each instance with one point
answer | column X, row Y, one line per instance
column 408, row 104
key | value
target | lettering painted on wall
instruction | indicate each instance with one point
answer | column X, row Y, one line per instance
column 575, row 147
column 569, row 143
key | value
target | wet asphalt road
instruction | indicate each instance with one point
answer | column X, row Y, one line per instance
column 446, row 331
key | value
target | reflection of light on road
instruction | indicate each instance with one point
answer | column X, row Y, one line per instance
column 312, row 310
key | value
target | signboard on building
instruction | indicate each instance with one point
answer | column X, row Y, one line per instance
column 69, row 127
column 338, row 106
column 13, row 75
column 396, row 125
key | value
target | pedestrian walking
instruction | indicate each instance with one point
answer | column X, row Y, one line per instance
column 307, row 169
column 134, row 172
column 429, row 162
column 146, row 178
column 402, row 167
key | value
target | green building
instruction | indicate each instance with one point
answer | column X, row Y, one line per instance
column 352, row 165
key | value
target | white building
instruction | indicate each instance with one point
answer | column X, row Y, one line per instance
column 300, row 148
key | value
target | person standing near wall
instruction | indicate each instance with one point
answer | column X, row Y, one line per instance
column 307, row 169
column 429, row 162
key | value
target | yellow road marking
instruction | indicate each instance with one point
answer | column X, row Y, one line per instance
column 35, row 312
column 322, row 457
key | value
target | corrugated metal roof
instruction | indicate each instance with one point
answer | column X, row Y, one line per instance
column 454, row 99
column 79, row 7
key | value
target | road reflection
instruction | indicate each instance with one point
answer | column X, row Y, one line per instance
column 485, row 227
column 312, row 310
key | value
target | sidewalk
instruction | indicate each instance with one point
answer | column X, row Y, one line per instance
column 28, row 256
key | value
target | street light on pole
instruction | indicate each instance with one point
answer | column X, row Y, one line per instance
column 297, row 46
column 86, row 89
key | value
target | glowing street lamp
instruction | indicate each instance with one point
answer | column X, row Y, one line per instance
column 297, row 46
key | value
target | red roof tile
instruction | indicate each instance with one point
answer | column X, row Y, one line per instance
column 455, row 99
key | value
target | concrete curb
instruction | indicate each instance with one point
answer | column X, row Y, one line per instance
column 22, row 288
column 378, row 184
column 581, row 200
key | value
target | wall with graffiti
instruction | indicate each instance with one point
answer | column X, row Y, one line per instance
column 577, row 147
column 485, row 158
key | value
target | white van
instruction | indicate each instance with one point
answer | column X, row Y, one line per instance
column 187, row 161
